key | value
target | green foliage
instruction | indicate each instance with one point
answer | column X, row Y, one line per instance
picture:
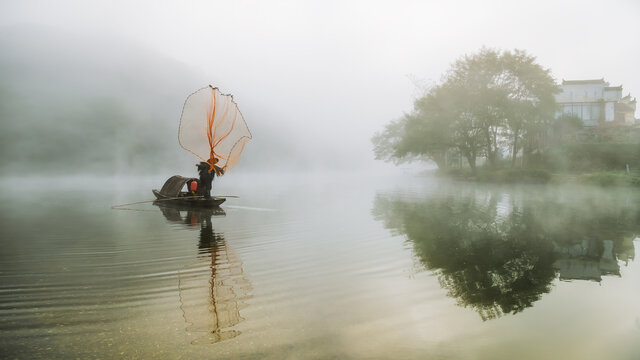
column 504, row 176
column 483, row 97
column 457, row 173
column 580, row 157
column 564, row 129
column 493, row 101
column 425, row 133
column 611, row 134
column 390, row 144
column 607, row 179
column 529, row 176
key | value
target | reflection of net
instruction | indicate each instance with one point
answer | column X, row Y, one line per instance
column 212, row 126
column 212, row 292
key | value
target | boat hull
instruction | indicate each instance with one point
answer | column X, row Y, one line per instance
column 188, row 201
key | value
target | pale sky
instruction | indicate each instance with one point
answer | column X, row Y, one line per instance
column 342, row 69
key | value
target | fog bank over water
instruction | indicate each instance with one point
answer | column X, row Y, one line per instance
column 318, row 250
column 99, row 86
column 110, row 106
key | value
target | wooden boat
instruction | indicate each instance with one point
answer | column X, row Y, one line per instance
column 171, row 194
column 189, row 216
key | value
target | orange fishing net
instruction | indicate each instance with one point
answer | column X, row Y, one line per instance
column 213, row 129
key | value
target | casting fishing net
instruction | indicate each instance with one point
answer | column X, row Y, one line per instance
column 212, row 127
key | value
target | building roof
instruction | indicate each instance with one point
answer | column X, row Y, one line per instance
column 582, row 82
column 622, row 107
column 613, row 87
column 627, row 99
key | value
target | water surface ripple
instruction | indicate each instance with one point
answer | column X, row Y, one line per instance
column 336, row 267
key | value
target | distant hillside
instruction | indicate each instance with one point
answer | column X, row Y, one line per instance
column 71, row 103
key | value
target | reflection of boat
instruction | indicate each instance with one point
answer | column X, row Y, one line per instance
column 213, row 288
column 171, row 194
column 194, row 216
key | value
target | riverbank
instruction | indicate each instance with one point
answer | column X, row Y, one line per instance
column 541, row 176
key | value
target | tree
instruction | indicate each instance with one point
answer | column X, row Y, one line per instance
column 467, row 130
column 484, row 99
column 564, row 127
column 424, row 133
column 477, row 80
column 531, row 106
column 506, row 91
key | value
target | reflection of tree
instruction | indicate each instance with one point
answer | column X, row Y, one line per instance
column 499, row 257
column 212, row 289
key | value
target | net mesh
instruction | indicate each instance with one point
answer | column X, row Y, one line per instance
column 212, row 127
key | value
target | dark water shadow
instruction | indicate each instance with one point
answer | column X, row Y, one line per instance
column 498, row 253
column 213, row 288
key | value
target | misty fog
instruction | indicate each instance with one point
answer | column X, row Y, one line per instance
column 413, row 187
column 100, row 87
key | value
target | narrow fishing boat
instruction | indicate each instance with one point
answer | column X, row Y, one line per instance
column 173, row 194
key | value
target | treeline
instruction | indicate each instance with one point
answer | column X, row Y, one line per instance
column 585, row 157
column 492, row 104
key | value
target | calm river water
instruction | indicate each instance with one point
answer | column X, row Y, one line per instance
column 307, row 267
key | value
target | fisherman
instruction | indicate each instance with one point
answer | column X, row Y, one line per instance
column 206, row 176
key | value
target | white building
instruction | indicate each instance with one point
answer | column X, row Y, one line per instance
column 596, row 103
